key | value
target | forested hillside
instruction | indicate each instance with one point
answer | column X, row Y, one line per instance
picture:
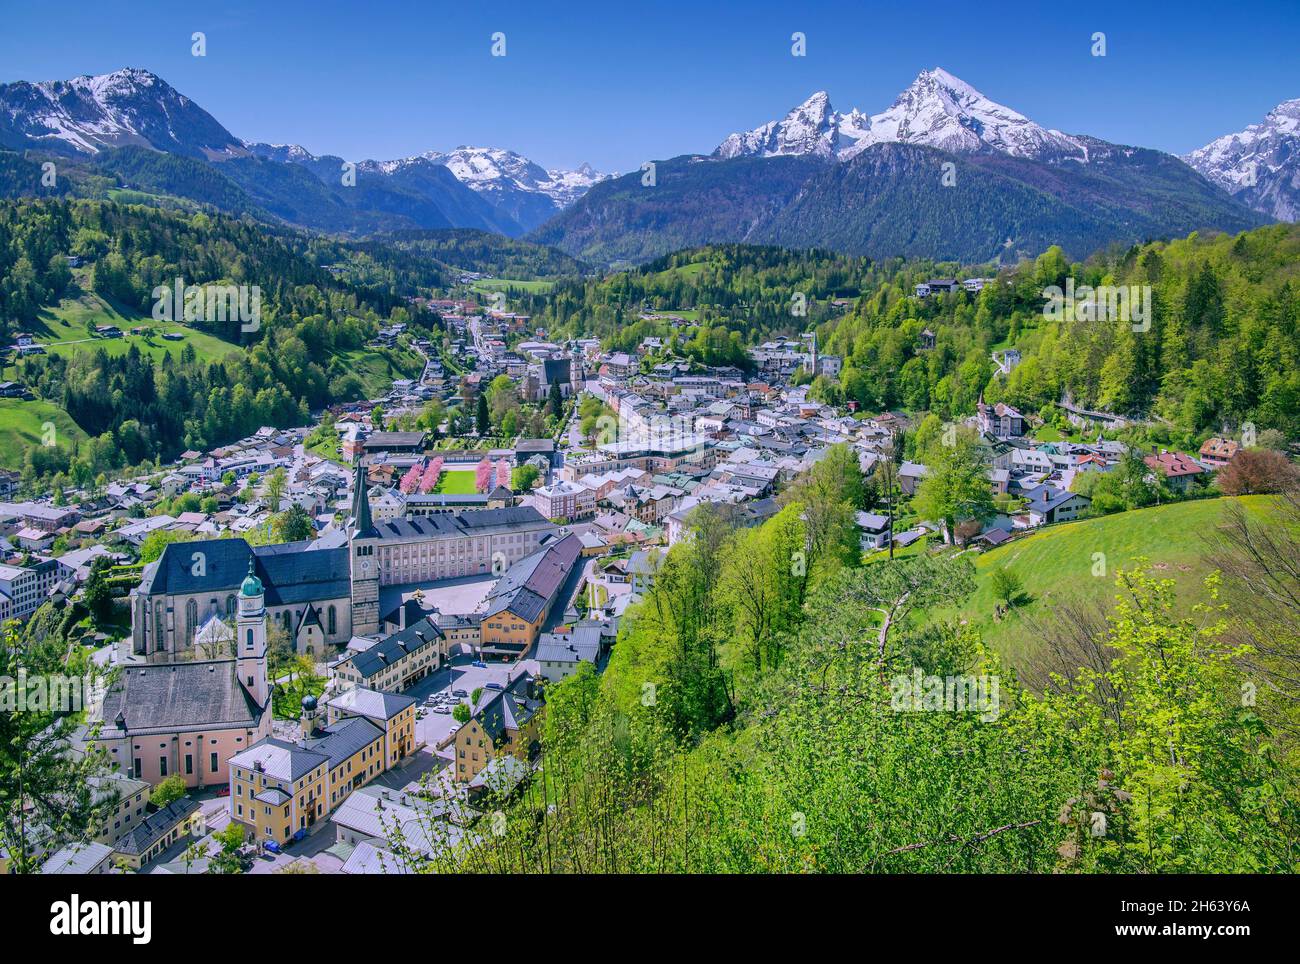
column 736, row 294
column 140, row 407
column 771, row 706
column 1222, row 346
column 897, row 199
column 413, row 262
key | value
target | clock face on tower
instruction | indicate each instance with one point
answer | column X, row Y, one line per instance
column 365, row 565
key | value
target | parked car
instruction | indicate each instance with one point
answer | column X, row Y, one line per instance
column 442, row 710
column 494, row 686
column 459, row 693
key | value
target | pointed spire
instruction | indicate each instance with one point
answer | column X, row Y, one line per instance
column 361, row 521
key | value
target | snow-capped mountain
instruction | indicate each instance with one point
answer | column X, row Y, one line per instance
column 489, row 169
column 521, row 188
column 811, row 128
column 1260, row 165
column 131, row 106
column 936, row 110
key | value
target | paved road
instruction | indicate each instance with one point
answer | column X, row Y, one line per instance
column 434, row 728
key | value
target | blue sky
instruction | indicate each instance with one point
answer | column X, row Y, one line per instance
column 616, row 84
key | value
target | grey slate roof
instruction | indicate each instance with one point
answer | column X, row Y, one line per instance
column 372, row 704
column 77, row 858
column 290, row 572
column 1047, row 497
column 155, row 826
column 401, row 643
column 531, row 583
column 344, row 739
column 169, row 696
column 280, row 759
column 508, row 709
column 466, row 523
column 583, row 643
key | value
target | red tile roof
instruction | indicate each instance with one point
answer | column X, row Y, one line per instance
column 1174, row 464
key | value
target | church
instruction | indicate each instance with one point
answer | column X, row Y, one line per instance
column 189, row 718
column 320, row 597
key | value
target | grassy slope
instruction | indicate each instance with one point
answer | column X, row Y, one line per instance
column 62, row 329
column 371, row 366
column 507, row 285
column 1057, row 563
column 22, row 427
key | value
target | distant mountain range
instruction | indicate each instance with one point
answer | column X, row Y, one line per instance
column 99, row 117
column 1259, row 165
column 943, row 172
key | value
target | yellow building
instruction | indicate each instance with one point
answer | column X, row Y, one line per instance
column 156, row 833
column 397, row 661
column 132, row 798
column 391, row 712
column 280, row 788
column 521, row 600
column 504, row 723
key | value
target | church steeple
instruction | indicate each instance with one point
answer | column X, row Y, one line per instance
column 362, row 525
column 363, row 568
column 250, row 638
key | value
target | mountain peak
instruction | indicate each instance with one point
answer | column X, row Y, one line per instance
column 1260, row 163
column 130, row 106
column 937, row 109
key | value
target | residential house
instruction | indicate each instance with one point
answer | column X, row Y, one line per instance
column 505, row 722
column 1177, row 468
column 1218, row 452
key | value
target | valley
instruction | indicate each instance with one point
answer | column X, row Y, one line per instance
column 512, row 442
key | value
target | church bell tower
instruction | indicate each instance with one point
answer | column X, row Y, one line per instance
column 362, row 561
column 250, row 638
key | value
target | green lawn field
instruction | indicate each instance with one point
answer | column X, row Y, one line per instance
column 456, row 482
column 1058, row 563
column 22, row 426
column 62, row 329
column 507, row 285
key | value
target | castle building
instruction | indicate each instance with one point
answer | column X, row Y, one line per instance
column 432, row 547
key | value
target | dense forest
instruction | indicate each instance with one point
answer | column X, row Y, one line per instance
column 413, row 262
column 1222, row 346
column 735, row 294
